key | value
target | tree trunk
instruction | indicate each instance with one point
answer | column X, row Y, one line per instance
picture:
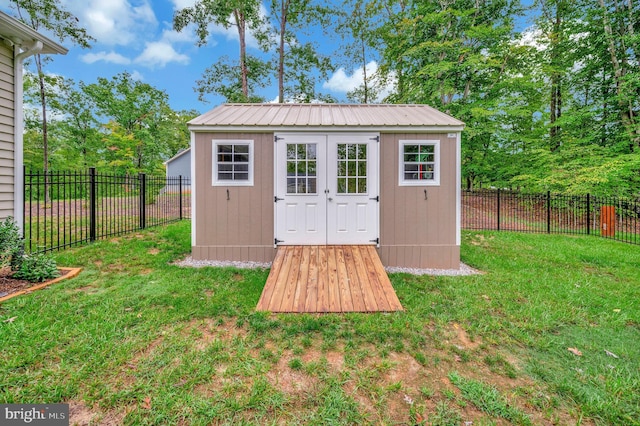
column 626, row 107
column 284, row 10
column 45, row 133
column 241, row 22
column 364, row 73
column 555, row 104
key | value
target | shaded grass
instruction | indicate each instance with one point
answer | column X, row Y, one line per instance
column 149, row 342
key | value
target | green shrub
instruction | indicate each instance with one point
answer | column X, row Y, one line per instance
column 37, row 268
column 11, row 245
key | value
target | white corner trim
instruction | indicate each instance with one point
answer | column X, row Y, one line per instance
column 458, row 189
column 193, row 189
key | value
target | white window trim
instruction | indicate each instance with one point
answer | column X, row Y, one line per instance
column 214, row 167
column 425, row 182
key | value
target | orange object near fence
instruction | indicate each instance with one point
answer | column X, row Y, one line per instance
column 608, row 221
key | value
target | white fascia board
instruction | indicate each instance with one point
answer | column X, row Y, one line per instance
column 327, row 129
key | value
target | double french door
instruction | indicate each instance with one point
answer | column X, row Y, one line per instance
column 326, row 189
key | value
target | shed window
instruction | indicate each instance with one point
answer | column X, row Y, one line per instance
column 419, row 163
column 232, row 163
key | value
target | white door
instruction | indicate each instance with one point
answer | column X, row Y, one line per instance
column 326, row 189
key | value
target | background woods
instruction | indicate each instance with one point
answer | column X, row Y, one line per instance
column 549, row 90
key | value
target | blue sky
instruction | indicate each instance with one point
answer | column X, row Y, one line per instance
column 137, row 36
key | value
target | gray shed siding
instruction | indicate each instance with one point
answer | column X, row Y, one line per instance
column 180, row 165
column 7, row 127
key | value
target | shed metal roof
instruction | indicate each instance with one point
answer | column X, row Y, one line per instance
column 378, row 117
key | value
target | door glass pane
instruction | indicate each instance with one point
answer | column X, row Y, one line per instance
column 311, row 185
column 362, row 152
column 311, row 168
column 362, row 185
column 291, row 151
column 301, row 163
column 351, row 168
column 352, row 186
column 362, row 168
column 311, row 151
column 352, row 164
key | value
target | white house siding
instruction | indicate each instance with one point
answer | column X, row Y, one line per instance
column 6, row 131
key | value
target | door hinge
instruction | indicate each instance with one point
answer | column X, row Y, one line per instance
column 277, row 138
column 276, row 199
column 276, row 241
column 375, row 138
column 377, row 241
column 376, row 198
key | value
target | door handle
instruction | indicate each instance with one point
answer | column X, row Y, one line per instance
column 330, row 199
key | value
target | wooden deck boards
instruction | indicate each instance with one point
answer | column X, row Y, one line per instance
column 328, row 279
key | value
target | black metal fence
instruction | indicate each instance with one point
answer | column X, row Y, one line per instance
column 608, row 217
column 63, row 209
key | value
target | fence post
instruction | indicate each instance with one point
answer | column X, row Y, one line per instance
column 498, row 209
column 92, row 203
column 548, row 212
column 588, row 214
column 24, row 204
column 180, row 189
column 143, row 200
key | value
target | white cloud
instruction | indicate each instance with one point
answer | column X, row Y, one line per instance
column 532, row 37
column 135, row 75
column 340, row 82
column 187, row 35
column 111, row 57
column 160, row 53
column 114, row 22
column 181, row 4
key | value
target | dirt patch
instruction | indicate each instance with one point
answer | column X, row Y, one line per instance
column 153, row 251
column 210, row 330
column 90, row 289
column 463, row 338
column 288, row 380
column 334, row 359
column 81, row 415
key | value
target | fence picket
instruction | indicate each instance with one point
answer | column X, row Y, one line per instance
column 549, row 213
column 87, row 206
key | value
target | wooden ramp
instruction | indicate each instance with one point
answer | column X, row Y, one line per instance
column 328, row 279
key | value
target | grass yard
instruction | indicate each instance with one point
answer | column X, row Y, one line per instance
column 135, row 340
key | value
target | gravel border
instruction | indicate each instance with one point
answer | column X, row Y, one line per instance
column 463, row 271
column 189, row 262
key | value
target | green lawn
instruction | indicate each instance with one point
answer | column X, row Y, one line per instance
column 135, row 340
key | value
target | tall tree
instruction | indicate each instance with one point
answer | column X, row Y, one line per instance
column 136, row 112
column 50, row 15
column 244, row 15
column 454, row 55
column 356, row 28
column 299, row 64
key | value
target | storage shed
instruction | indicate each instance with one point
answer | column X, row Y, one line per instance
column 179, row 166
column 270, row 175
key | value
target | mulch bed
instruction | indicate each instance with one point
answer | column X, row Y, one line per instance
column 10, row 285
